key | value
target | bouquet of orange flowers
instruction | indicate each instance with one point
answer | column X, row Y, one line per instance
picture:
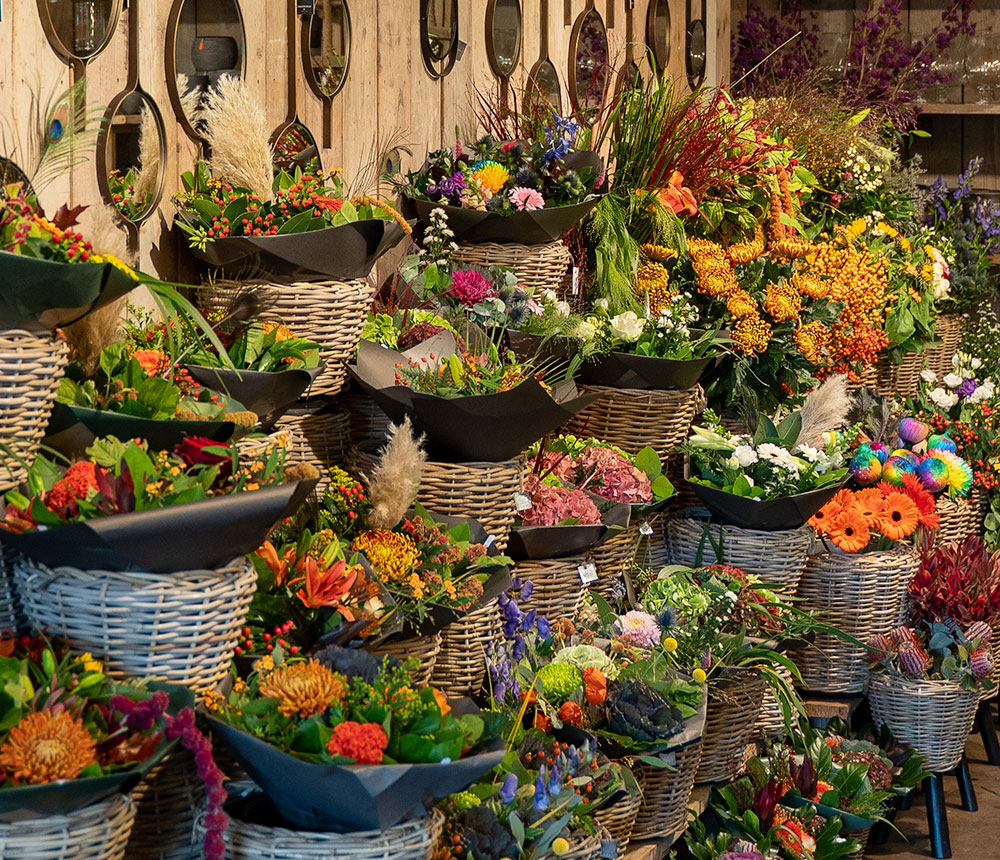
column 876, row 517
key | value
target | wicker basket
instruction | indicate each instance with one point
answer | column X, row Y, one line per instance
column 31, row 366
column 423, row 649
column 96, row 832
column 862, row 837
column 619, row 820
column 411, row 840
column 778, row 558
column 934, row 717
column 947, row 329
column 179, row 627
column 167, row 803
column 479, row 490
column 11, row 613
column 557, row 591
column 771, row 720
column 666, row 792
column 867, row 378
column 633, row 419
column 330, row 313
column 861, row 594
column 899, row 379
column 734, row 702
column 320, row 437
column 652, row 552
column 461, row 662
column 540, row 267
column 369, row 424
column 612, row 558
column 958, row 518
column 583, row 846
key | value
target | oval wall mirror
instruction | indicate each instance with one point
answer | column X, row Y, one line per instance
column 326, row 47
column 439, row 35
column 295, row 146
column 206, row 39
column 503, row 36
column 133, row 146
column 696, row 47
column 545, row 92
column 658, row 32
column 79, row 29
column 589, row 70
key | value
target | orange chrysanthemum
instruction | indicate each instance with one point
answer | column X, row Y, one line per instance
column 152, row 361
column 849, row 531
column 900, row 518
column 303, row 689
column 47, row 746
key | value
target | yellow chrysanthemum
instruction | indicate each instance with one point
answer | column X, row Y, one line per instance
column 303, row 689
column 713, row 269
column 659, row 253
column 884, row 229
column 491, row 176
column 782, row 301
column 748, row 249
column 392, row 555
column 741, row 304
column 751, row 334
column 855, row 228
column 653, row 279
column 811, row 286
column 812, row 339
column 47, row 746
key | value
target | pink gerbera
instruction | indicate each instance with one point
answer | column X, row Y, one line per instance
column 469, row 287
column 526, row 199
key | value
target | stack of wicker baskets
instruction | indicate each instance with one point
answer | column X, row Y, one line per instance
column 861, row 594
column 320, row 435
column 619, row 820
column 423, row 649
column 556, row 589
column 899, row 379
column 330, row 313
column 666, row 792
column 734, row 702
column 960, row 517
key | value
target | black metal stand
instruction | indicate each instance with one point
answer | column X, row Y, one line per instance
column 965, row 787
column 988, row 732
column 937, row 817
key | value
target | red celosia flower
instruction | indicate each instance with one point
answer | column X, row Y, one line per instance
column 363, row 742
column 81, row 478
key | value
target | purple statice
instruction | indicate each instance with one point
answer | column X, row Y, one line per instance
column 448, row 188
column 966, row 389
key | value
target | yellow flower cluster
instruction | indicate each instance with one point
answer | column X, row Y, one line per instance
column 491, row 176
column 391, row 554
column 812, row 339
column 791, row 248
column 741, row 304
column 810, row 286
column 653, row 280
column 660, row 253
column 711, row 264
column 751, row 334
column 782, row 301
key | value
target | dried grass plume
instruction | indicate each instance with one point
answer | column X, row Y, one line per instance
column 395, row 478
column 236, row 132
column 825, row 408
column 90, row 335
column 148, row 175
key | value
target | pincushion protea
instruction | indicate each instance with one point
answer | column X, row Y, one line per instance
column 981, row 663
column 913, row 660
column 46, row 746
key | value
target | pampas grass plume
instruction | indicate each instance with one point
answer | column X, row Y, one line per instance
column 236, row 132
column 395, row 478
column 825, row 408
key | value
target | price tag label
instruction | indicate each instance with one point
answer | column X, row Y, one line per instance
column 575, row 286
column 521, row 502
column 669, row 759
column 489, row 541
column 645, row 529
column 609, row 849
column 588, row 572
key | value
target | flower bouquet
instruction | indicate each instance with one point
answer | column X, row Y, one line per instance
column 876, row 518
column 143, row 393
column 770, row 480
column 357, row 749
column 300, row 224
column 72, row 738
column 656, row 350
column 472, row 405
column 527, row 192
column 118, row 508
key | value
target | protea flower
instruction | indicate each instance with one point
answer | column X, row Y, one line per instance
column 979, row 630
column 913, row 659
column 880, row 648
column 981, row 663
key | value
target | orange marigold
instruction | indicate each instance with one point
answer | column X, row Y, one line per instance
column 47, row 746
column 303, row 689
column 363, row 742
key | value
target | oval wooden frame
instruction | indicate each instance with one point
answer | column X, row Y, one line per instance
column 650, row 43
column 574, row 44
column 451, row 57
column 62, row 50
column 533, row 80
column 491, row 8
column 170, row 63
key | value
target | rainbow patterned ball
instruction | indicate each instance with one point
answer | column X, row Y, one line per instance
column 941, row 443
column 912, row 431
column 865, row 467
column 959, row 472
column 909, row 456
column 933, row 474
column 880, row 451
column 895, row 468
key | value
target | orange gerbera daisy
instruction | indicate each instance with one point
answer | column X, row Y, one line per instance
column 871, row 503
column 923, row 499
column 821, row 519
column 849, row 531
column 900, row 518
column 846, row 499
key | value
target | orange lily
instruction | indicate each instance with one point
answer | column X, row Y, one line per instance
column 280, row 567
column 326, row 587
column 677, row 198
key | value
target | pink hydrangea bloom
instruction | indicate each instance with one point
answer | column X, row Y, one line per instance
column 608, row 474
column 469, row 286
column 526, row 199
column 639, row 629
column 551, row 505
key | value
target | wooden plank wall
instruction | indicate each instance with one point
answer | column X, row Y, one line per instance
column 388, row 92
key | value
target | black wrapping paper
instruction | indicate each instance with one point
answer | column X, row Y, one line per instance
column 203, row 535
column 774, row 515
column 628, row 370
column 267, row 394
column 162, row 435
